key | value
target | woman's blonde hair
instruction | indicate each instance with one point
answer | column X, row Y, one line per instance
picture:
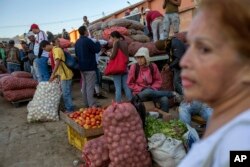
column 233, row 17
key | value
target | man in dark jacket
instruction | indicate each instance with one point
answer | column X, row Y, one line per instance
column 86, row 50
column 175, row 49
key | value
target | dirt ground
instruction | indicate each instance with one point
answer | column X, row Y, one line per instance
column 37, row 144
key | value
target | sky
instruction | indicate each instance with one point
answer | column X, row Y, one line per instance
column 16, row 16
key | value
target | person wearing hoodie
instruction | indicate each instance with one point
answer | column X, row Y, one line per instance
column 144, row 80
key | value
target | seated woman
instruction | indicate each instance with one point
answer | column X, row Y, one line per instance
column 144, row 80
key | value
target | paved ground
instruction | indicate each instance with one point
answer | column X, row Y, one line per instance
column 36, row 144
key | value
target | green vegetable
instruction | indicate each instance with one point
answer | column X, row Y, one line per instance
column 173, row 128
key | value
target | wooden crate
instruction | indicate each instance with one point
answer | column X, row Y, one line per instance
column 83, row 132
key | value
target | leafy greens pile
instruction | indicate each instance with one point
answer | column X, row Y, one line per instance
column 173, row 128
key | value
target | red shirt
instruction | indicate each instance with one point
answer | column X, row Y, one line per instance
column 51, row 58
column 151, row 16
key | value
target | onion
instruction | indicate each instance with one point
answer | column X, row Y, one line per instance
column 118, row 130
column 127, row 147
column 114, row 145
column 114, row 122
column 98, row 162
column 116, row 138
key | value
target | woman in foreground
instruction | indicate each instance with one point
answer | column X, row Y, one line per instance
column 216, row 70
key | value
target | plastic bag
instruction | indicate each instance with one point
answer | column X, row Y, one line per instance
column 166, row 151
column 45, row 103
column 190, row 137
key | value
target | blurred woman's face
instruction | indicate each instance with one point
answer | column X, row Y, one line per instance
column 210, row 66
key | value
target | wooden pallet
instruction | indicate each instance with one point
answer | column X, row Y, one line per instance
column 17, row 103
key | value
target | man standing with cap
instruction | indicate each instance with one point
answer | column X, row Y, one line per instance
column 154, row 23
column 40, row 64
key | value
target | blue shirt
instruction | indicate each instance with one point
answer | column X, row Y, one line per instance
column 85, row 50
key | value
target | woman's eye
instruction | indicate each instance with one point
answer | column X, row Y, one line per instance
column 203, row 49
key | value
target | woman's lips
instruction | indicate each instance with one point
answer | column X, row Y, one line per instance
column 186, row 82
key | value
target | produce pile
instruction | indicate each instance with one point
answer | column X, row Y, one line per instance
column 174, row 128
column 131, row 30
column 88, row 117
column 17, row 86
column 96, row 153
column 45, row 103
column 124, row 138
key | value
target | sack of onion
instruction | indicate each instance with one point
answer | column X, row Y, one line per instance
column 125, row 137
column 96, row 153
column 44, row 105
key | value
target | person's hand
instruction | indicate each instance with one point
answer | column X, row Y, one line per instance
column 166, row 116
column 103, row 50
column 108, row 53
column 166, row 67
column 52, row 78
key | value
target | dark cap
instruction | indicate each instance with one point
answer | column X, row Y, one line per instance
column 12, row 42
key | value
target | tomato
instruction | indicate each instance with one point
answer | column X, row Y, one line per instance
column 88, row 122
column 86, row 126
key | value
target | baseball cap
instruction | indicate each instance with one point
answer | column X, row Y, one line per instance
column 34, row 26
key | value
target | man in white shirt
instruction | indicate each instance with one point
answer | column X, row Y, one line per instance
column 41, row 62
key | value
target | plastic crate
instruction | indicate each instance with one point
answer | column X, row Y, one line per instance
column 76, row 139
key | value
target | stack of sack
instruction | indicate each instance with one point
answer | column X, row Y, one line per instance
column 131, row 30
column 18, row 86
column 1, row 76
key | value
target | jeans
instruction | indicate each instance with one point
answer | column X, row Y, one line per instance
column 187, row 110
column 171, row 19
column 26, row 66
column 120, row 81
column 67, row 95
column 33, row 72
column 157, row 97
column 98, row 81
column 157, row 29
column 41, row 69
column 88, row 87
column 11, row 67
column 177, row 81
